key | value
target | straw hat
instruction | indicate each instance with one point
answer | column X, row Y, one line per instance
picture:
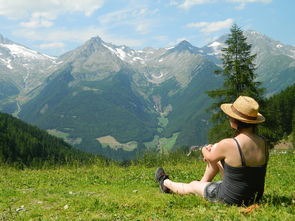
column 244, row 109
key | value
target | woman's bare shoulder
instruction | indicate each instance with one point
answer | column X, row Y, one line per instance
column 224, row 145
column 225, row 142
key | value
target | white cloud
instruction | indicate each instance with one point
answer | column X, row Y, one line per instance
column 20, row 9
column 187, row 4
column 173, row 3
column 209, row 27
column 115, row 16
column 190, row 3
column 142, row 28
column 52, row 45
column 140, row 19
column 161, row 38
column 250, row 1
column 38, row 20
column 126, row 15
column 242, row 3
column 59, row 35
column 70, row 36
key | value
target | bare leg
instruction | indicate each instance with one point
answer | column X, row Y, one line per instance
column 194, row 187
column 211, row 171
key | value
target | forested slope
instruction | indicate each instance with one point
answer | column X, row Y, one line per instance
column 23, row 144
column 280, row 115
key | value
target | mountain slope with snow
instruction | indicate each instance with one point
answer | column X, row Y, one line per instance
column 22, row 70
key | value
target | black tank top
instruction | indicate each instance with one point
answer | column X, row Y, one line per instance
column 242, row 185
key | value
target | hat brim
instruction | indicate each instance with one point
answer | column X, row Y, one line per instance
column 227, row 109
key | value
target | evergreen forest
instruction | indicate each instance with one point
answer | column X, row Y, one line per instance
column 280, row 116
column 25, row 145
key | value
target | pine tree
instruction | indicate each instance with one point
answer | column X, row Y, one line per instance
column 239, row 79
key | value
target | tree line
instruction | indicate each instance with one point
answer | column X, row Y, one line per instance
column 280, row 114
column 25, row 145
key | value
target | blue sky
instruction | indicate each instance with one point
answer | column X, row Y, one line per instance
column 57, row 26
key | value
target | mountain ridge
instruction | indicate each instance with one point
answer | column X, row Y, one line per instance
column 153, row 98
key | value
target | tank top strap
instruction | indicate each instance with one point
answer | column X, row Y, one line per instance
column 241, row 154
column 266, row 150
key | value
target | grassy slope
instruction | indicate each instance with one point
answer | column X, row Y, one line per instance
column 112, row 192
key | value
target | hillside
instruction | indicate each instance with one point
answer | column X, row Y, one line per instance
column 25, row 145
column 88, row 110
column 112, row 192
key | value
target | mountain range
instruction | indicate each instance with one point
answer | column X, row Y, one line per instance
column 115, row 101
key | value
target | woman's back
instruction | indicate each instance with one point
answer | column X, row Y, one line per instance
column 244, row 171
column 253, row 150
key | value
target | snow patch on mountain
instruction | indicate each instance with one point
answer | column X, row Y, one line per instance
column 126, row 54
column 169, row 48
column 117, row 51
column 21, row 51
column 7, row 63
column 121, row 53
column 141, row 60
column 215, row 44
column 215, row 48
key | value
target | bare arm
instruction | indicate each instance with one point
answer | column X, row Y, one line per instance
column 214, row 153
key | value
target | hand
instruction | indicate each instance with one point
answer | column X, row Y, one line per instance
column 208, row 147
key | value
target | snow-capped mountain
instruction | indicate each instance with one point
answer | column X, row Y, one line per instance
column 101, row 89
column 21, row 70
column 152, row 65
column 275, row 62
column 262, row 44
column 25, row 67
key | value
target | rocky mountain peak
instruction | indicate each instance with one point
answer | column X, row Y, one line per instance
column 94, row 40
column 184, row 46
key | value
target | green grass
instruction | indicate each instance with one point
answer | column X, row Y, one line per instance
column 108, row 191
column 111, row 142
column 163, row 121
column 65, row 136
column 164, row 144
column 59, row 134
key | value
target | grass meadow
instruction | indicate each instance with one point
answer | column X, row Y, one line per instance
column 110, row 191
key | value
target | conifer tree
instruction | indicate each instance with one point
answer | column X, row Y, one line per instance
column 239, row 79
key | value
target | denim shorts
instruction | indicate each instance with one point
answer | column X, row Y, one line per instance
column 211, row 191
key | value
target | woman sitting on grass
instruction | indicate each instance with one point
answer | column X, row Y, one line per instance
column 242, row 161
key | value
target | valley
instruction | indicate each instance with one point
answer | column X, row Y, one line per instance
column 114, row 100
